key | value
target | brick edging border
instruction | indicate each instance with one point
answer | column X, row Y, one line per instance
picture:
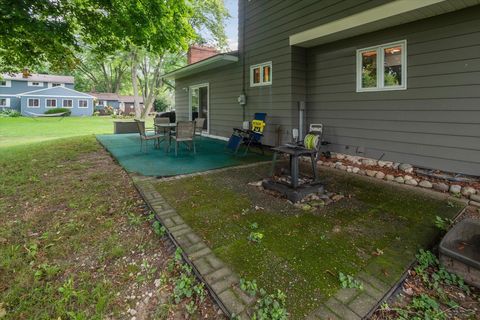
column 221, row 282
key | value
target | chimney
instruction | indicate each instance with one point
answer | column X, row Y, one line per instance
column 198, row 53
column 25, row 73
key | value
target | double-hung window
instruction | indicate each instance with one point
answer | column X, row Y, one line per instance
column 33, row 103
column 82, row 103
column 382, row 67
column 67, row 103
column 5, row 83
column 51, row 103
column 4, row 102
column 35, row 84
column 261, row 74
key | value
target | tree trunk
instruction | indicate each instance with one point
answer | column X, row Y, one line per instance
column 136, row 98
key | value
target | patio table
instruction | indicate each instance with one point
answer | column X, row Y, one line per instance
column 167, row 128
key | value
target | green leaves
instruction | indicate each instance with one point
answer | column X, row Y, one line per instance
column 347, row 281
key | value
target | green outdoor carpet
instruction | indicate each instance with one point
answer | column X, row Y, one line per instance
column 211, row 154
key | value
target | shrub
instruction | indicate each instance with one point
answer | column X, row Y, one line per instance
column 8, row 113
column 59, row 110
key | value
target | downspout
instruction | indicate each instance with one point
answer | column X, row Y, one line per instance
column 243, row 56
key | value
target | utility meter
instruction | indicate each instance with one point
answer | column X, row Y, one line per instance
column 242, row 99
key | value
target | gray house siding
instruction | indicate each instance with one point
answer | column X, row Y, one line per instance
column 435, row 123
column 225, row 86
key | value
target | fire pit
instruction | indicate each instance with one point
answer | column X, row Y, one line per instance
column 291, row 187
column 460, row 251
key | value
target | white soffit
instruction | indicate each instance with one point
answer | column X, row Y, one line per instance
column 396, row 12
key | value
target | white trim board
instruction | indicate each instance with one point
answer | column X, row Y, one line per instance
column 358, row 23
column 31, row 93
column 198, row 86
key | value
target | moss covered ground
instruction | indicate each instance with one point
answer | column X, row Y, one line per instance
column 376, row 227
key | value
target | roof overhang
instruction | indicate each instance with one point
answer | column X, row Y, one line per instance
column 387, row 15
column 216, row 61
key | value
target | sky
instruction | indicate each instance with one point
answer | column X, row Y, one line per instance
column 232, row 24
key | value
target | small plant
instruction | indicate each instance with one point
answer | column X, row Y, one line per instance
column 254, row 226
column 8, row 113
column 249, row 287
column 191, row 307
column 347, row 281
column 184, row 284
column 135, row 219
column 255, row 236
column 270, row 306
column 46, row 270
column 159, row 229
column 443, row 223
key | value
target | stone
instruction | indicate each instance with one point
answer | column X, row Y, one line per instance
column 399, row 179
column 467, row 191
column 441, row 186
column 371, row 173
column 319, row 162
column 380, row 175
column 405, row 167
column 340, row 156
column 474, row 203
column 455, row 188
column 349, row 168
column 355, row 169
column 338, row 197
column 132, row 312
column 475, row 197
column 387, row 164
column 411, row 182
column 369, row 162
column 389, row 177
column 342, row 167
column 396, row 165
column 425, row 184
column 407, row 177
column 361, row 172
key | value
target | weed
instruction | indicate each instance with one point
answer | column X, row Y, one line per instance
column 159, row 229
column 46, row 270
column 135, row 219
column 443, row 223
column 191, row 307
column 255, row 236
column 249, row 287
column 347, row 281
column 270, row 306
column 254, row 226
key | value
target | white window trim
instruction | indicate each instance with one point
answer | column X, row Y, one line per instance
column 31, row 84
column 7, row 103
column 50, row 84
column 51, row 99
column 380, row 67
column 8, row 84
column 33, row 107
column 79, row 103
column 63, row 105
column 261, row 83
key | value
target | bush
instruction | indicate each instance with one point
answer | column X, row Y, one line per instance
column 59, row 110
column 8, row 113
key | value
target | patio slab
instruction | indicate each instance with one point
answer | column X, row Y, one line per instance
column 211, row 154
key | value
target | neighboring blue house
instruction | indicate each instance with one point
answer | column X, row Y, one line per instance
column 40, row 101
column 37, row 93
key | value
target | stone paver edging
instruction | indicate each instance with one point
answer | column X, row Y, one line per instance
column 220, row 280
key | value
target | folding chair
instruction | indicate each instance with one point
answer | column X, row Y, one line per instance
column 248, row 137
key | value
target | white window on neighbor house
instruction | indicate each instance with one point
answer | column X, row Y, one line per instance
column 4, row 102
column 53, row 84
column 5, row 83
column 67, row 103
column 261, row 74
column 383, row 67
column 35, row 84
column 51, row 103
column 83, row 103
column 33, row 103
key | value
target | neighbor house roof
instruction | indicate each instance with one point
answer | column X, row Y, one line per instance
column 213, row 62
column 128, row 99
column 61, row 92
column 105, row 95
column 38, row 78
column 380, row 17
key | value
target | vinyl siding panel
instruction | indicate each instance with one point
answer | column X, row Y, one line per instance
column 435, row 123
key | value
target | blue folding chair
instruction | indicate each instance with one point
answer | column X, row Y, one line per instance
column 249, row 137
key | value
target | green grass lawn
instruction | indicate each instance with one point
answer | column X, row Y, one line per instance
column 75, row 238
column 21, row 130
column 302, row 252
